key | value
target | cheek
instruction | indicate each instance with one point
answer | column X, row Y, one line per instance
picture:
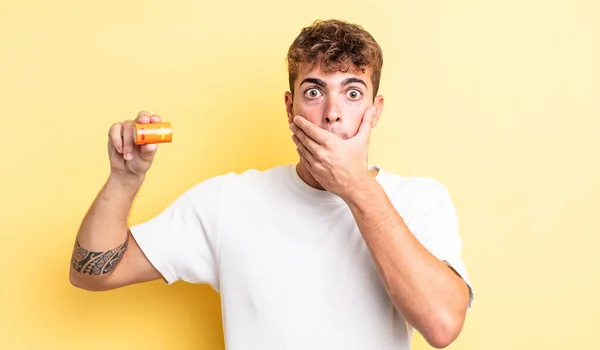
column 312, row 113
column 353, row 118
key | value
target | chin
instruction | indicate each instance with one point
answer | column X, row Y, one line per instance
column 340, row 134
column 343, row 136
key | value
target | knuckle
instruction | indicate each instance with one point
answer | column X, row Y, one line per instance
column 127, row 129
column 114, row 128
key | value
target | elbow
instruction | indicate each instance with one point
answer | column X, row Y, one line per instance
column 440, row 341
column 76, row 281
column 81, row 282
column 445, row 331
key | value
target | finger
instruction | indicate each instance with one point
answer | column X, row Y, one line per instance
column 364, row 131
column 128, row 142
column 304, row 159
column 148, row 150
column 311, row 130
column 114, row 135
column 309, row 143
column 300, row 146
column 304, row 151
column 143, row 117
column 155, row 118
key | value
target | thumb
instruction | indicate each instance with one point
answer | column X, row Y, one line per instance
column 364, row 130
column 147, row 151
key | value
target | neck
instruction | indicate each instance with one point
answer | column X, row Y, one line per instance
column 307, row 177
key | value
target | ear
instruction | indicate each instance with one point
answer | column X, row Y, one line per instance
column 379, row 108
column 289, row 106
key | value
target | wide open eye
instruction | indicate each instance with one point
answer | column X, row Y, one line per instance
column 312, row 93
column 354, row 94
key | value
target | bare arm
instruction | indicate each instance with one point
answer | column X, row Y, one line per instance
column 430, row 295
column 105, row 254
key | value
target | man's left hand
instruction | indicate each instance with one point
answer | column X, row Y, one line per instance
column 338, row 165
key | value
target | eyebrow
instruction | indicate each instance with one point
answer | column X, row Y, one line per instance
column 314, row 81
column 324, row 84
column 353, row 80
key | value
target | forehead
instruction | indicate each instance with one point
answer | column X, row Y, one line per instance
column 332, row 77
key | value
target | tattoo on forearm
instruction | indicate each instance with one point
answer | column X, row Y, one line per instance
column 97, row 263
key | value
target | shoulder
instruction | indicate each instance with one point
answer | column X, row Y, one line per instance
column 246, row 180
column 254, row 174
column 426, row 207
column 418, row 197
column 413, row 189
column 254, row 177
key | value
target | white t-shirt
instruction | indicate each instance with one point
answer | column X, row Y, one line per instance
column 288, row 260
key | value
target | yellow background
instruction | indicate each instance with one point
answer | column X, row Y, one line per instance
column 498, row 100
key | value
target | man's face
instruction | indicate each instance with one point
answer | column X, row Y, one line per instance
column 335, row 102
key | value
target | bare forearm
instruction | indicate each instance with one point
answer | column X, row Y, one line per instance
column 102, row 237
column 424, row 289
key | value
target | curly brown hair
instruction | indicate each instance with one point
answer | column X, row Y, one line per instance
column 335, row 45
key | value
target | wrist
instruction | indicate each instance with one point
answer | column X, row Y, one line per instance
column 129, row 182
column 360, row 191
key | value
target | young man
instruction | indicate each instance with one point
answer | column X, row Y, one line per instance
column 329, row 253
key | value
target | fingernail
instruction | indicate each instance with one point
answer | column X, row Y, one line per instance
column 120, row 149
column 128, row 156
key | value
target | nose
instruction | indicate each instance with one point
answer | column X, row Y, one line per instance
column 332, row 113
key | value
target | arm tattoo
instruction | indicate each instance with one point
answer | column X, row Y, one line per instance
column 97, row 263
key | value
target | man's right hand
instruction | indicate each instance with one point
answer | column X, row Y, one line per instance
column 128, row 160
column 104, row 232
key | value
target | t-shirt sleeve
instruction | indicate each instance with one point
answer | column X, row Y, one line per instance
column 181, row 242
column 434, row 222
